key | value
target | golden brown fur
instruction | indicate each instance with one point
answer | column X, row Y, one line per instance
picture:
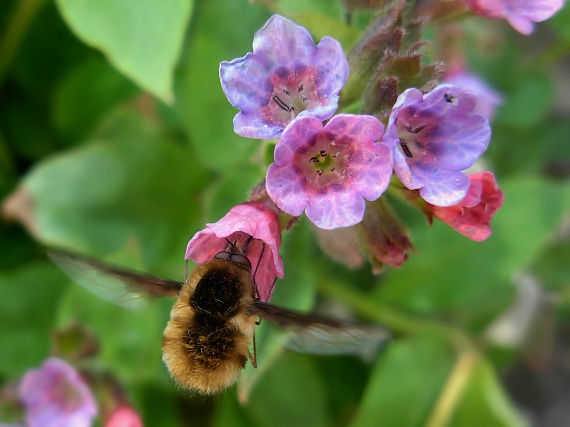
column 206, row 342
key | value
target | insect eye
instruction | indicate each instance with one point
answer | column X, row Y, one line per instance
column 240, row 259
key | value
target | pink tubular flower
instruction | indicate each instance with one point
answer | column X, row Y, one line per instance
column 434, row 137
column 329, row 171
column 253, row 219
column 487, row 98
column 286, row 75
column 521, row 14
column 124, row 416
column 471, row 216
column 55, row 396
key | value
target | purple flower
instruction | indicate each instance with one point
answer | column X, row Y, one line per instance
column 487, row 98
column 329, row 171
column 434, row 137
column 285, row 76
column 253, row 219
column 55, row 396
column 520, row 13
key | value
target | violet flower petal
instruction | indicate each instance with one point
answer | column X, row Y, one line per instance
column 521, row 14
column 285, row 76
column 434, row 137
column 55, row 396
column 329, row 171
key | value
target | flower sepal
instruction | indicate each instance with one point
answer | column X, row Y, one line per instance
column 383, row 237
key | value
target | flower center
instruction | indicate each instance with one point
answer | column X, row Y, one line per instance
column 294, row 90
column 325, row 159
column 411, row 134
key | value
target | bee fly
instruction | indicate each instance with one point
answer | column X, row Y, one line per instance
column 207, row 340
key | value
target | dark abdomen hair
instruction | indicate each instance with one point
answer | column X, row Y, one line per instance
column 206, row 342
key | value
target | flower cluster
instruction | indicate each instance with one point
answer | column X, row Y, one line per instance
column 54, row 395
column 334, row 166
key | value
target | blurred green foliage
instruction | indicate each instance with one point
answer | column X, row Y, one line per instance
column 115, row 130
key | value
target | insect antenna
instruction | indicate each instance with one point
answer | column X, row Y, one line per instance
column 246, row 243
column 272, row 286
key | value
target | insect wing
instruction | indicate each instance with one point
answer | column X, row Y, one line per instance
column 120, row 286
column 320, row 335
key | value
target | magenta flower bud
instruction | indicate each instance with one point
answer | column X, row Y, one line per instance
column 329, row 171
column 253, row 219
column 472, row 215
column 521, row 14
column 54, row 395
column 124, row 416
column 285, row 76
column 433, row 138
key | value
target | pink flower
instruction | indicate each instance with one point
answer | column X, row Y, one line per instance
column 471, row 216
column 124, row 416
column 487, row 98
column 520, row 13
column 55, row 396
column 433, row 138
column 253, row 219
column 286, row 75
column 329, row 171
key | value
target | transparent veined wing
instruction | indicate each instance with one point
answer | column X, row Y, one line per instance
column 117, row 285
column 314, row 334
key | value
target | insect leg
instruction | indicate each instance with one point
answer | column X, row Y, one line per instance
column 186, row 272
column 253, row 359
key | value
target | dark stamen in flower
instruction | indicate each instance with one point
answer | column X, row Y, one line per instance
column 281, row 104
column 300, row 87
column 406, row 149
column 313, row 160
column 320, row 172
column 323, row 153
column 331, row 168
column 336, row 154
column 303, row 98
column 420, row 146
column 416, row 130
column 286, row 91
column 448, row 98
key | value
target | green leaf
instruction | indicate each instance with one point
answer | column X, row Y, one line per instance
column 484, row 402
column 200, row 102
column 553, row 267
column 229, row 413
column 537, row 92
column 85, row 95
column 452, row 277
column 406, row 382
column 290, row 394
column 559, row 23
column 130, row 187
column 28, row 300
column 142, row 39
column 130, row 340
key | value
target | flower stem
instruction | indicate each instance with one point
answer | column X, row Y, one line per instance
column 393, row 319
